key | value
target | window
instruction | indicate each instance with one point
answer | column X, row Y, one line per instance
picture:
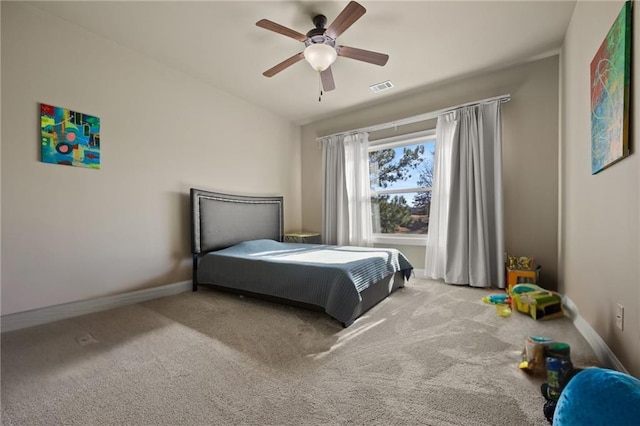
column 401, row 176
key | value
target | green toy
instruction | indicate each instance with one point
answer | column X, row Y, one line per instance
column 537, row 302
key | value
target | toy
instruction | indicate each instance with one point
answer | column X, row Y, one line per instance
column 516, row 293
column 502, row 302
column 519, row 276
column 559, row 372
column 523, row 263
column 524, row 288
column 546, row 306
column 503, row 309
column 559, row 367
column 521, row 269
column 535, row 301
column 533, row 354
column 496, row 299
column 599, row 396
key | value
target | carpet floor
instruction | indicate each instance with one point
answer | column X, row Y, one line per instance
column 430, row 354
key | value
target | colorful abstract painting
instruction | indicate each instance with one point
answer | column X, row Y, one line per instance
column 610, row 82
column 68, row 137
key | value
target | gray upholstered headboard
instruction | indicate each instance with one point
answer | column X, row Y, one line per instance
column 222, row 220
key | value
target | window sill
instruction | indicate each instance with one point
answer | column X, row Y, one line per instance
column 404, row 240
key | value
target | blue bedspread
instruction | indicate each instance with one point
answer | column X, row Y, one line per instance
column 328, row 276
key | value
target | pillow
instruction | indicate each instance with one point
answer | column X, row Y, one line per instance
column 597, row 396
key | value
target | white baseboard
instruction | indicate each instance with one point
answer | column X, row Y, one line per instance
column 606, row 357
column 67, row 310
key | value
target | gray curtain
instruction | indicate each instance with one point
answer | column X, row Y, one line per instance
column 346, row 218
column 465, row 244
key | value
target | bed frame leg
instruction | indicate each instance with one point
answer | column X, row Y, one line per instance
column 194, row 278
column 348, row 323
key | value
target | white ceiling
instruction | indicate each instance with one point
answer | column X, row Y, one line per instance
column 428, row 42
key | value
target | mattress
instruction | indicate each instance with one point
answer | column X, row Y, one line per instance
column 331, row 277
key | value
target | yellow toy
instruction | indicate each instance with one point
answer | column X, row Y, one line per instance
column 502, row 302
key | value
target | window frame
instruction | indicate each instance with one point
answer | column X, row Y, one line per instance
column 392, row 143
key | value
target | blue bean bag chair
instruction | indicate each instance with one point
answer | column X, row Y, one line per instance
column 597, row 396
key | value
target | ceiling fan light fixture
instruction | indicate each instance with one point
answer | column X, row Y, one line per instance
column 320, row 56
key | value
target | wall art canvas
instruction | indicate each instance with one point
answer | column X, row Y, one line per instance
column 68, row 137
column 610, row 83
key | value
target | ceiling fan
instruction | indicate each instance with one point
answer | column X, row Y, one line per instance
column 320, row 44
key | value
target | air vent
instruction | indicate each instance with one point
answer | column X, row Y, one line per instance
column 380, row 87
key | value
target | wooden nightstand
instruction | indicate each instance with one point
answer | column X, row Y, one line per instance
column 302, row 237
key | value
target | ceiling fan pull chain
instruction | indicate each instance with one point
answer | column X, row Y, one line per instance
column 320, row 86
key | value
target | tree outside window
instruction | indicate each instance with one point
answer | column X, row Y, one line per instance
column 401, row 175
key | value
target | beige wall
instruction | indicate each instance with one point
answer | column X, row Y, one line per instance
column 0, row 159
column 530, row 148
column 600, row 220
column 70, row 233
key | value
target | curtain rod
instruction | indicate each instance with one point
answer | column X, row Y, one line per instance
column 418, row 118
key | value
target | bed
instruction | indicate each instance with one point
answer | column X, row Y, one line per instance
column 237, row 246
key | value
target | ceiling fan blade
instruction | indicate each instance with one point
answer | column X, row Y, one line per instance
column 284, row 64
column 272, row 26
column 327, row 80
column 345, row 19
column 363, row 55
